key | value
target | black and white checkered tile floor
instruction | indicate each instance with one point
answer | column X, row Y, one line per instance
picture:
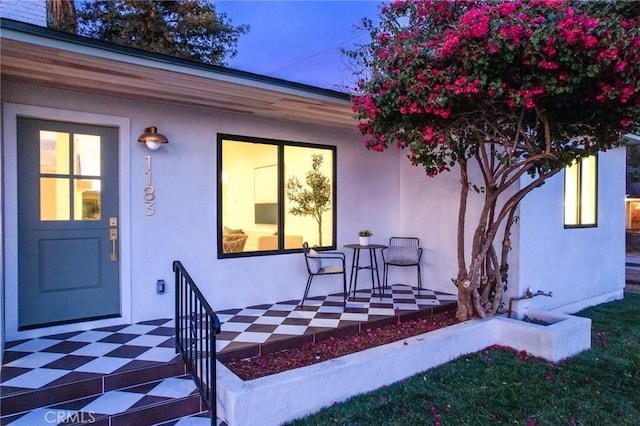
column 86, row 358
column 259, row 326
column 92, row 409
column 80, row 356
column 70, row 357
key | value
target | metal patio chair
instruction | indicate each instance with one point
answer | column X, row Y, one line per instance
column 324, row 263
column 402, row 251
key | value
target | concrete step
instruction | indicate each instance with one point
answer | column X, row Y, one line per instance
column 16, row 400
column 154, row 402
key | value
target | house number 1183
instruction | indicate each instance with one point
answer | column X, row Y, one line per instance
column 149, row 191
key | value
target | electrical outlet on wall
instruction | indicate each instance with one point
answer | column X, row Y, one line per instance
column 160, row 286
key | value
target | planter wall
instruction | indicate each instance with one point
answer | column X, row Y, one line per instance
column 282, row 397
column 567, row 336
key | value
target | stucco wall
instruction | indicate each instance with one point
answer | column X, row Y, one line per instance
column 184, row 177
column 430, row 211
column 379, row 191
column 578, row 265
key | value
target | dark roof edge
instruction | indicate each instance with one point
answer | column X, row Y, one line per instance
column 37, row 30
column 632, row 138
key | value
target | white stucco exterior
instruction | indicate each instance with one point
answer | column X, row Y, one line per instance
column 381, row 192
column 35, row 12
column 184, row 176
column 581, row 266
column 430, row 210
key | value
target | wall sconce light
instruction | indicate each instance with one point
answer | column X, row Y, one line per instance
column 152, row 138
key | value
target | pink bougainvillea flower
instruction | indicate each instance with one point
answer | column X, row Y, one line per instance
column 442, row 76
column 378, row 147
column 548, row 65
column 506, row 8
column 620, row 66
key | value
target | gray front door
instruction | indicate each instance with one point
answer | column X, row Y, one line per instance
column 67, row 223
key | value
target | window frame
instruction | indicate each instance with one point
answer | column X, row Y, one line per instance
column 578, row 194
column 281, row 145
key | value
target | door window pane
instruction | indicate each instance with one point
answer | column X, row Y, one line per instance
column 57, row 178
column 54, row 152
column 86, row 199
column 54, row 199
column 86, row 155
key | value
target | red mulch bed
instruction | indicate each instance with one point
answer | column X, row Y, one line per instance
column 312, row 353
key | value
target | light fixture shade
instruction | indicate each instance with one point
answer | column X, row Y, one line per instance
column 152, row 138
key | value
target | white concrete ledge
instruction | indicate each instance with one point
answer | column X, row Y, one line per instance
column 566, row 336
column 274, row 399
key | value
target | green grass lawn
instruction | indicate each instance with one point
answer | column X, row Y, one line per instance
column 499, row 386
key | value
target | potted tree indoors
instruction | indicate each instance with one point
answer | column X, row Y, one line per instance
column 313, row 200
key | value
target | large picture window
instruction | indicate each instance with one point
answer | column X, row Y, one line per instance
column 274, row 195
column 580, row 193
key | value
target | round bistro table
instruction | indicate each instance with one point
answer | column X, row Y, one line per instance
column 373, row 266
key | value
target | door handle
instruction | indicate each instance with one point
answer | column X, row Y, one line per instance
column 113, row 236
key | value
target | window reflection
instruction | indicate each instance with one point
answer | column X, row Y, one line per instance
column 86, row 150
column 54, row 199
column 633, row 213
column 54, row 152
column 258, row 213
column 580, row 193
column 87, row 199
column 63, row 191
column 308, row 173
column 250, row 178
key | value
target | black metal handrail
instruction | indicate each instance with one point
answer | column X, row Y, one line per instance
column 196, row 328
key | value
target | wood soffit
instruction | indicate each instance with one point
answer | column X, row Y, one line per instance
column 51, row 66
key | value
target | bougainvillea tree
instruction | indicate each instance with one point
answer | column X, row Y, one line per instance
column 518, row 89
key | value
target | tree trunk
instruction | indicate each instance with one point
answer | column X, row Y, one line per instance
column 465, row 300
column 61, row 16
column 481, row 285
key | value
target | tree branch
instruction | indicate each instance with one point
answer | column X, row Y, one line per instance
column 464, row 194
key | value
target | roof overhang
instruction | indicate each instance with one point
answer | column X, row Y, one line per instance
column 633, row 138
column 41, row 56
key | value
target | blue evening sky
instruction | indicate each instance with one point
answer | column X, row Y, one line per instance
column 299, row 40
